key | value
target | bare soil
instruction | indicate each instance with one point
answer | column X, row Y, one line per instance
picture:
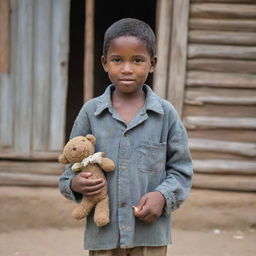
column 37, row 222
column 69, row 242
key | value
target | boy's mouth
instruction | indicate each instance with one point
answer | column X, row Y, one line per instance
column 126, row 80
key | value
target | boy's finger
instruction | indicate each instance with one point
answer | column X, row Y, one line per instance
column 85, row 174
column 94, row 187
column 92, row 193
column 94, row 182
column 140, row 205
column 140, row 210
column 143, row 213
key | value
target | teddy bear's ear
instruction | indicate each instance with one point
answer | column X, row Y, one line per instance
column 91, row 138
column 62, row 159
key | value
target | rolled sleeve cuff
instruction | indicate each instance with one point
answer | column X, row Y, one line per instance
column 69, row 193
column 170, row 200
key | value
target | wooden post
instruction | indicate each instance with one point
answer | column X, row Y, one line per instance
column 178, row 59
column 59, row 83
column 89, row 50
column 4, row 35
column 164, row 14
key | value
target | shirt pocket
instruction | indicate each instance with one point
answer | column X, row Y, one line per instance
column 151, row 157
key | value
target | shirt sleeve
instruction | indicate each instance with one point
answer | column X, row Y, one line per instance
column 64, row 186
column 176, row 187
column 81, row 127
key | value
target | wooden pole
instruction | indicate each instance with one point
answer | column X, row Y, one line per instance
column 164, row 14
column 4, row 35
column 89, row 50
column 178, row 58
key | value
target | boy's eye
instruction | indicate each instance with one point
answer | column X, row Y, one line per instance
column 116, row 60
column 137, row 60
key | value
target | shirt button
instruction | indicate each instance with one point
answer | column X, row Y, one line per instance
column 123, row 204
column 126, row 134
column 123, row 168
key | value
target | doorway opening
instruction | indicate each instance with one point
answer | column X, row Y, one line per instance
column 106, row 13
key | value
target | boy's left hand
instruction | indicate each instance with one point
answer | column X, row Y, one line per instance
column 150, row 207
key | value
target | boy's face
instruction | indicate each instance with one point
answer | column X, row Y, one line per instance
column 128, row 63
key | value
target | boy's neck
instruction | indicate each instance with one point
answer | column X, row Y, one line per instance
column 128, row 105
column 128, row 97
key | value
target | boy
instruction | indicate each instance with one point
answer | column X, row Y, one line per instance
column 144, row 136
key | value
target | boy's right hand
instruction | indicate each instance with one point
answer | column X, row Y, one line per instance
column 88, row 187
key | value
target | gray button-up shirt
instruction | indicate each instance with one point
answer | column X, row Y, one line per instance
column 151, row 154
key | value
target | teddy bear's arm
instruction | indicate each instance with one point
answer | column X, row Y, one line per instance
column 107, row 164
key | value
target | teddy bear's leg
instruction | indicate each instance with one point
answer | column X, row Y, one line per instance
column 101, row 214
column 83, row 209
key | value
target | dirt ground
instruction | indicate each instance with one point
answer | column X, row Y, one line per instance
column 210, row 223
column 69, row 242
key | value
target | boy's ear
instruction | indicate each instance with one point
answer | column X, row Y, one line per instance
column 153, row 64
column 104, row 63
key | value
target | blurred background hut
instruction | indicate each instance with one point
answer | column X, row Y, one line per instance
column 50, row 65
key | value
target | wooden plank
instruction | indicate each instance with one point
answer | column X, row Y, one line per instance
column 202, row 155
column 178, row 58
column 210, row 122
column 221, row 51
column 248, row 135
column 163, row 46
column 230, row 80
column 216, row 10
column 5, row 36
column 59, row 69
column 224, row 1
column 29, row 156
column 238, row 148
column 236, row 95
column 222, row 65
column 7, row 88
column 33, row 180
column 42, row 71
column 194, row 92
column 223, row 100
column 223, row 24
column 42, row 168
column 6, row 112
column 216, row 166
column 209, row 109
column 222, row 37
column 225, row 182
column 89, row 50
column 23, row 78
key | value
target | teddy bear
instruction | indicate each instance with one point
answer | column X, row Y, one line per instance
column 79, row 151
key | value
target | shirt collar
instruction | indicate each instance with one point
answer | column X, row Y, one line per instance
column 152, row 102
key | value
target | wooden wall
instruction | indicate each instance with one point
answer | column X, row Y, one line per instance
column 33, row 94
column 208, row 71
column 220, row 100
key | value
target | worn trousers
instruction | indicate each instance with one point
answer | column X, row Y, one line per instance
column 137, row 251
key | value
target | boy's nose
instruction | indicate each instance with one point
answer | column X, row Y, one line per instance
column 126, row 68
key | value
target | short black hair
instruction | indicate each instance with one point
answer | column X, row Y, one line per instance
column 130, row 27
